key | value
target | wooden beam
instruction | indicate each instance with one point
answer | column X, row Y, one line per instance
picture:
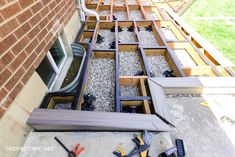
column 117, row 85
column 144, row 93
column 135, row 98
column 218, row 56
column 130, row 80
column 69, row 120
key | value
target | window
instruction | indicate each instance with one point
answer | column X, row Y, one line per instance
column 53, row 63
column 46, row 71
column 57, row 53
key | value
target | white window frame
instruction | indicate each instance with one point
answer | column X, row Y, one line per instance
column 53, row 63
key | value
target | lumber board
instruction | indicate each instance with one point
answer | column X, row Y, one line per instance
column 158, row 99
column 142, row 87
column 197, row 85
column 132, row 103
column 218, row 56
column 66, row 120
column 117, row 86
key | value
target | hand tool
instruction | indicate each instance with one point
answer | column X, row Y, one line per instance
column 142, row 146
column 75, row 151
column 180, row 147
column 169, row 152
column 120, row 153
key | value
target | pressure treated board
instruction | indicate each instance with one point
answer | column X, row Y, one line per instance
column 42, row 119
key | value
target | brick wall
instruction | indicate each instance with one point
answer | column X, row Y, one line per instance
column 28, row 28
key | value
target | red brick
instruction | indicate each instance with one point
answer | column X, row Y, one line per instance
column 51, row 15
column 24, row 16
column 1, row 18
column 4, row 75
column 7, row 42
column 7, row 58
column 33, row 33
column 52, row 5
column 25, row 3
column 45, row 2
column 18, row 61
column 8, row 27
column 22, row 30
column 2, row 66
column 57, row 8
column 29, row 61
column 44, row 11
column 28, row 74
column 35, row 8
column 39, row 59
column 3, row 2
column 43, row 23
column 40, row 47
column 50, row 25
column 13, row 81
column 29, row 49
column 42, row 34
column 34, row 20
column 20, row 46
column 48, row 37
column 11, row 10
column 3, row 93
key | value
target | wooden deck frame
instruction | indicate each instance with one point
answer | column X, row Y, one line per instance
column 200, row 42
column 168, row 23
column 179, row 85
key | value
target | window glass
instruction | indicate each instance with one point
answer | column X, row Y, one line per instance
column 57, row 53
column 46, row 71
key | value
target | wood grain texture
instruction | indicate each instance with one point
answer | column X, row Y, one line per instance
column 158, row 99
column 42, row 119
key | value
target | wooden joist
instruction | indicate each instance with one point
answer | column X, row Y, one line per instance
column 201, row 42
column 42, row 119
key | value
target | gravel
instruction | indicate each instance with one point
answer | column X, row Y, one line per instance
column 120, row 15
column 147, row 38
column 132, row 2
column 104, row 12
column 136, row 15
column 86, row 40
column 157, row 64
column 129, row 63
column 119, row 2
column 125, row 36
column 106, row 2
column 109, row 37
column 129, row 90
column 101, row 84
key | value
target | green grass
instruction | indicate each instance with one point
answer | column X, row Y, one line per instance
column 220, row 34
